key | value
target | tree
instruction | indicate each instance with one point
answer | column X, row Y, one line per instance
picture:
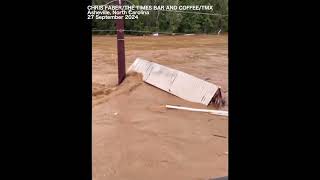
column 171, row 21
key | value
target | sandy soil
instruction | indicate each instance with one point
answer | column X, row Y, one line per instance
column 134, row 136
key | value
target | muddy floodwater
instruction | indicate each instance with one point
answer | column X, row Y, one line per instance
column 134, row 136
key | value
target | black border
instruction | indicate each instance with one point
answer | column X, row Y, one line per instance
column 51, row 87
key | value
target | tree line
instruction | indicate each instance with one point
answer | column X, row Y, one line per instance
column 170, row 21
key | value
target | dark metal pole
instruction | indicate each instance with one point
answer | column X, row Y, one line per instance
column 120, row 47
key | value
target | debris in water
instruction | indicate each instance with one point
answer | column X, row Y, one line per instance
column 215, row 112
column 219, row 136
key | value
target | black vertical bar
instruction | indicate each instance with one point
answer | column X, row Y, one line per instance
column 120, row 46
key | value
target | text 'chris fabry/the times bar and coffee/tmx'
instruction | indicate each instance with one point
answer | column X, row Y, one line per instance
column 148, row 7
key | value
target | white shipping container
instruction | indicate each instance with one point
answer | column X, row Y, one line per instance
column 177, row 83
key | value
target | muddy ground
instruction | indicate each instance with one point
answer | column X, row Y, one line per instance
column 134, row 136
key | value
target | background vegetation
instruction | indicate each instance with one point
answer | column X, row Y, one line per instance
column 171, row 22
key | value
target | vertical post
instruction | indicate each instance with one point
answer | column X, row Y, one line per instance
column 120, row 46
